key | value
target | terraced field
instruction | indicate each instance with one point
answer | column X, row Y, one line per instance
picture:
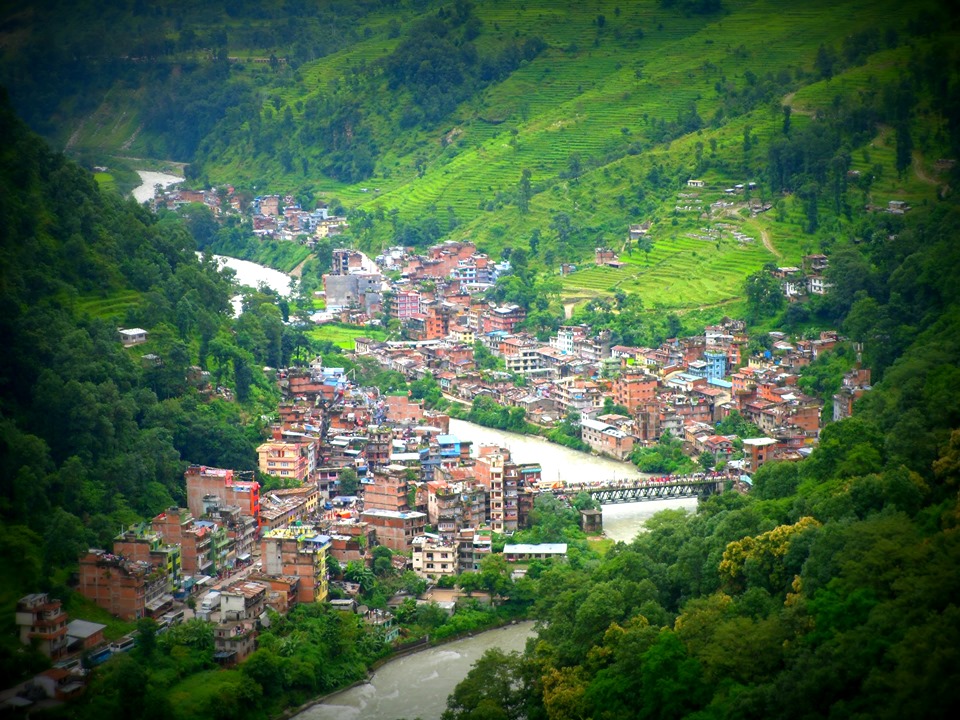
column 114, row 306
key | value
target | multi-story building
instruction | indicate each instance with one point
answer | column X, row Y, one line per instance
column 567, row 336
column 388, row 490
column 345, row 261
column 523, row 358
column 282, row 591
column 356, row 290
column 287, row 460
column 472, row 547
column 606, row 439
column 434, row 558
column 501, row 478
column 505, row 318
column 143, row 543
column 221, row 483
column 242, row 601
column 43, row 623
column 129, row 589
column 406, row 304
column 634, row 390
column 286, row 506
column 233, row 642
column 395, row 529
column 716, row 361
column 855, row 384
column 300, row 552
column 578, row 395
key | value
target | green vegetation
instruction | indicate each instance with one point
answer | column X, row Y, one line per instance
column 752, row 606
column 343, row 336
column 556, row 126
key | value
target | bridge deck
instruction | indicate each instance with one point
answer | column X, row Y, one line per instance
column 650, row 490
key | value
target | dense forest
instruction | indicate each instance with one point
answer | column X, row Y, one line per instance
column 94, row 436
column 828, row 591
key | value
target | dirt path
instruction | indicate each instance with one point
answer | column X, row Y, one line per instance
column 767, row 244
column 788, row 101
column 297, row 272
column 921, row 171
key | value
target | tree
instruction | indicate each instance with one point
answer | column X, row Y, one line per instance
column 524, row 192
column 764, row 295
column 645, row 245
column 349, row 481
column 494, row 688
column 146, row 637
column 495, row 575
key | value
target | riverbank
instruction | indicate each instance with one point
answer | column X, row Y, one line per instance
column 286, row 257
column 421, row 678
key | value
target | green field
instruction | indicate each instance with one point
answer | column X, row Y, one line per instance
column 343, row 336
column 113, row 306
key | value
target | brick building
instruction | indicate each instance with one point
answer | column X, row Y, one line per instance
column 395, row 530
column 129, row 589
column 221, row 483
column 634, row 389
column 389, row 489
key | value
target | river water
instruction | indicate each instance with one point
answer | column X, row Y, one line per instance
column 417, row 685
column 620, row 522
column 149, row 179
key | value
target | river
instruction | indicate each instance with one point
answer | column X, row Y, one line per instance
column 251, row 274
column 417, row 685
column 148, row 180
column 620, row 522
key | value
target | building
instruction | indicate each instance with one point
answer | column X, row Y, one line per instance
column 395, row 529
column 757, row 451
column 84, row 635
column 43, row 623
column 606, row 439
column 221, row 483
column 716, row 363
column 243, row 601
column 388, row 490
column 355, row 290
column 286, row 460
column 129, row 589
column 288, row 505
column 233, row 643
column 526, row 552
column 433, row 558
column 634, row 389
column 505, row 318
column 346, row 261
column 132, row 336
column 500, row 476
column 142, row 543
column 176, row 527
column 301, row 552
column 406, row 304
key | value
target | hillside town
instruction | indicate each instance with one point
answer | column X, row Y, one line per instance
column 358, row 468
column 355, row 468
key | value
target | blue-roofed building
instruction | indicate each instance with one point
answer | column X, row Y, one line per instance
column 449, row 447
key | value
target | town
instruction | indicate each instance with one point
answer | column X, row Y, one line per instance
column 357, row 468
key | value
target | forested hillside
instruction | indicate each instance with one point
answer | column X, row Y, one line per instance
column 829, row 591
column 550, row 124
column 94, row 436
